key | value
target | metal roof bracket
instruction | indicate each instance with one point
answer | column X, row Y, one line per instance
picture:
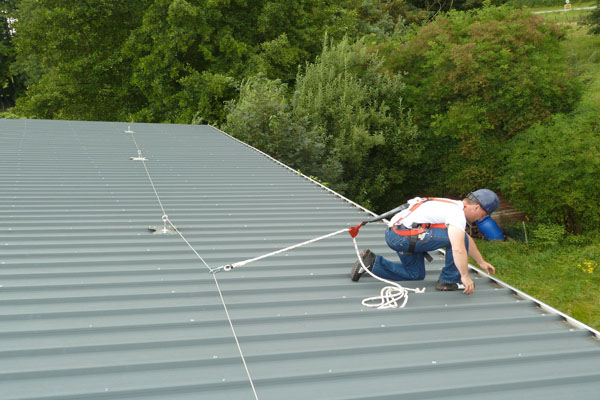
column 139, row 157
column 164, row 230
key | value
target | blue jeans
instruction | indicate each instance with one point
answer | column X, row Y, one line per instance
column 412, row 266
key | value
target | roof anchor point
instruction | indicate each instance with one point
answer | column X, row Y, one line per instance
column 139, row 157
column 164, row 230
column 128, row 129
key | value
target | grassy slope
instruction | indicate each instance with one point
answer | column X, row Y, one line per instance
column 560, row 5
column 567, row 275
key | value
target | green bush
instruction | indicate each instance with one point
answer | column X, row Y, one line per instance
column 546, row 235
column 263, row 118
column 8, row 114
column 358, row 107
column 475, row 79
column 594, row 20
column 552, row 170
column 588, row 238
column 344, row 123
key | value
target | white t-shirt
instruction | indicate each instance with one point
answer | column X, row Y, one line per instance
column 449, row 212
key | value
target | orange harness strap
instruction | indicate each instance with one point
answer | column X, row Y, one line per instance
column 422, row 227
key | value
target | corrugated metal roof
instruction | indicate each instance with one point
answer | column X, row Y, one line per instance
column 94, row 306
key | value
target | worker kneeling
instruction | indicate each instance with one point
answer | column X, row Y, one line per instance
column 429, row 224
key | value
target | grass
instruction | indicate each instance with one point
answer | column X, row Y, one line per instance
column 584, row 52
column 566, row 17
column 566, row 276
column 560, row 5
column 562, row 16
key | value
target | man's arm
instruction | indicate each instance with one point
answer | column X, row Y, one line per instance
column 474, row 252
column 461, row 258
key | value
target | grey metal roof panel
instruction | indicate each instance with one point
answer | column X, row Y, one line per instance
column 94, row 306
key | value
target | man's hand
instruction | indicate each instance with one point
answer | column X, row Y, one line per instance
column 487, row 267
column 469, row 285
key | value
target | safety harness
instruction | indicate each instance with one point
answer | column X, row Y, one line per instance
column 417, row 228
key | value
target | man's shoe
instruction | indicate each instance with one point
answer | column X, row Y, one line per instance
column 448, row 287
column 368, row 258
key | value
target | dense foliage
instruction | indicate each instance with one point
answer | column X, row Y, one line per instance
column 553, row 170
column 263, row 116
column 10, row 84
column 351, row 114
column 70, row 53
column 188, row 56
column 380, row 99
column 161, row 60
column 473, row 81
column 177, row 60
column 171, row 60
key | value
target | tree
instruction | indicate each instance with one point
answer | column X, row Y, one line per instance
column 10, row 85
column 263, row 117
column 346, row 95
column 552, row 169
column 190, row 55
column 344, row 123
column 71, row 54
column 475, row 79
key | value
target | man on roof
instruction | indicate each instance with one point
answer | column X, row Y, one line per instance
column 429, row 224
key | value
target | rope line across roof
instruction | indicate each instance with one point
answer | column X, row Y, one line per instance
column 165, row 219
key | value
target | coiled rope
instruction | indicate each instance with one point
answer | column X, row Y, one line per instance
column 389, row 296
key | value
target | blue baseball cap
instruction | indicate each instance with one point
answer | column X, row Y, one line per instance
column 486, row 198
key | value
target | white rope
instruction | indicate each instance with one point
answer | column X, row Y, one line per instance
column 166, row 219
column 229, row 267
column 154, row 188
column 237, row 342
column 388, row 298
column 389, row 295
column 250, row 260
column 188, row 243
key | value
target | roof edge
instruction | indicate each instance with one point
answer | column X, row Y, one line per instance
column 539, row 303
column 296, row 172
column 548, row 308
column 542, row 305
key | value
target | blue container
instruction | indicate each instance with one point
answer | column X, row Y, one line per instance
column 489, row 229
